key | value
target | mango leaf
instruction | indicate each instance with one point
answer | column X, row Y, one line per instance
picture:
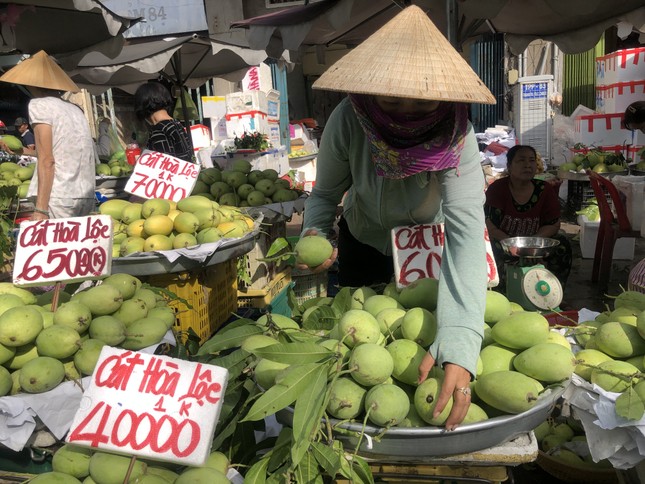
column 275, row 398
column 280, row 452
column 257, row 474
column 229, row 339
column 234, row 362
column 292, row 301
column 326, row 457
column 343, row 300
column 307, row 471
column 235, row 324
column 307, row 412
column 294, row 353
column 629, row 405
column 280, row 476
column 323, row 317
column 362, row 470
column 277, row 246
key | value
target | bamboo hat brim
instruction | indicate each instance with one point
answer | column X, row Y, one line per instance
column 407, row 57
column 40, row 71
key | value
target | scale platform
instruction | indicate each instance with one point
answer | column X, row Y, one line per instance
column 528, row 282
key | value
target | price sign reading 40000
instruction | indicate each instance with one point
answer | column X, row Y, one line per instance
column 150, row 405
column 66, row 249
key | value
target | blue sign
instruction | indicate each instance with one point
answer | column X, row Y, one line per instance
column 535, row 90
column 161, row 17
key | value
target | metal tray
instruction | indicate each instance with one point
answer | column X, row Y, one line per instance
column 308, row 157
column 570, row 175
column 153, row 264
column 111, row 181
column 415, row 444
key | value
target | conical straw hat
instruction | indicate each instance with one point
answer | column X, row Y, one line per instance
column 407, row 57
column 40, row 71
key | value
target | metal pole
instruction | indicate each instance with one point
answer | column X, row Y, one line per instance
column 451, row 22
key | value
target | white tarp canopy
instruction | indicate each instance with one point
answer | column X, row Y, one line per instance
column 186, row 61
column 60, row 26
column 574, row 25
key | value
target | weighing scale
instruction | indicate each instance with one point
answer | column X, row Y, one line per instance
column 528, row 282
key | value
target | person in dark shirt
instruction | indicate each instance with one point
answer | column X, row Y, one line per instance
column 152, row 101
column 520, row 205
column 27, row 137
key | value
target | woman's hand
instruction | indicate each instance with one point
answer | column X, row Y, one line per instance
column 322, row 267
column 4, row 147
column 456, row 383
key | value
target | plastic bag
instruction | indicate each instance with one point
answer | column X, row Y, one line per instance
column 178, row 112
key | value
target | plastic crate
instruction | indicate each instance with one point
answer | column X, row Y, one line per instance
column 259, row 272
column 261, row 298
column 309, row 286
column 211, row 292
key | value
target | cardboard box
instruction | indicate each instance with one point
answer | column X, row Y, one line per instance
column 623, row 250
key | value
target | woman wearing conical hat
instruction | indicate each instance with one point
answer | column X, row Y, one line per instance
column 402, row 149
column 64, row 182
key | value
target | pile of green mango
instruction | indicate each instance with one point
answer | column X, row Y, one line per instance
column 41, row 347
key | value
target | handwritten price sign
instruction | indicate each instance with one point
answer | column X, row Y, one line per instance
column 417, row 254
column 150, row 405
column 157, row 175
column 66, row 249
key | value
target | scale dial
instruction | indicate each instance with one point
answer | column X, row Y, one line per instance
column 542, row 288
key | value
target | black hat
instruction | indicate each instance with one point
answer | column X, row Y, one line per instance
column 20, row 122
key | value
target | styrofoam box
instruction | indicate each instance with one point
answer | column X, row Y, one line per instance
column 633, row 187
column 246, row 101
column 623, row 250
column 614, row 98
column 620, row 66
column 274, row 134
column 602, row 130
column 201, row 136
column 238, row 124
column 273, row 105
column 275, row 159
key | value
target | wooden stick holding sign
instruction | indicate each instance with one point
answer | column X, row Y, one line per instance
column 150, row 405
column 417, row 250
column 63, row 250
column 157, row 175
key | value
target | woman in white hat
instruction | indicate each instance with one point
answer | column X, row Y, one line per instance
column 402, row 149
column 64, row 182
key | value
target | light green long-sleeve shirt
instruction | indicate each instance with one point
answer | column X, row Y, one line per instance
column 374, row 205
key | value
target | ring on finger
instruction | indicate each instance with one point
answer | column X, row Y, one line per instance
column 465, row 390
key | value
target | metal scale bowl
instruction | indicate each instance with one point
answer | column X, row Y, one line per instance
column 528, row 282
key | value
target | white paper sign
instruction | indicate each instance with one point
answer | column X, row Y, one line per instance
column 64, row 249
column 157, row 175
column 417, row 250
column 150, row 405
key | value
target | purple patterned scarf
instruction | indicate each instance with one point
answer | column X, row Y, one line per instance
column 401, row 148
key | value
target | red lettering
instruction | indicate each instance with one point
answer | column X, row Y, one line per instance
column 97, row 437
column 201, row 387
column 159, row 381
column 114, row 373
column 138, row 431
column 96, row 229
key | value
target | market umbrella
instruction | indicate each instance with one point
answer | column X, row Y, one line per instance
column 185, row 61
column 60, row 26
column 574, row 25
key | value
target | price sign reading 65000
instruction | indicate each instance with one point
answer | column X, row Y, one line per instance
column 417, row 254
column 67, row 249
column 150, row 405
